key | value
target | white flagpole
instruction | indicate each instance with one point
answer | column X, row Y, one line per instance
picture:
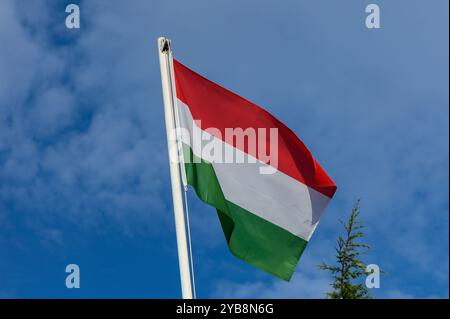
column 182, row 167
column 180, row 227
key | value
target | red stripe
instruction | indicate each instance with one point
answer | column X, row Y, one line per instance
column 220, row 108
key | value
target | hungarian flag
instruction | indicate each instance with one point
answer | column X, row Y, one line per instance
column 267, row 188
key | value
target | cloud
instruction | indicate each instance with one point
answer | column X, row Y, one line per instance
column 308, row 282
column 77, row 141
column 300, row 287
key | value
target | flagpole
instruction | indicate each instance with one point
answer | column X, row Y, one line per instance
column 164, row 51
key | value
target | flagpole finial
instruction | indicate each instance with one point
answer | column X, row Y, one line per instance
column 164, row 44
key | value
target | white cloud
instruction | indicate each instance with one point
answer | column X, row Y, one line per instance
column 78, row 139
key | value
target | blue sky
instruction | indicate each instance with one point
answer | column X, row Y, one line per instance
column 83, row 165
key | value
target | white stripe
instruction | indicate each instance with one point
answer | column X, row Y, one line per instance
column 277, row 198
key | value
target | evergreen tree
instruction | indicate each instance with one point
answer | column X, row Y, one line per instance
column 349, row 273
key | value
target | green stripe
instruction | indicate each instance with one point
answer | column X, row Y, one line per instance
column 250, row 238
